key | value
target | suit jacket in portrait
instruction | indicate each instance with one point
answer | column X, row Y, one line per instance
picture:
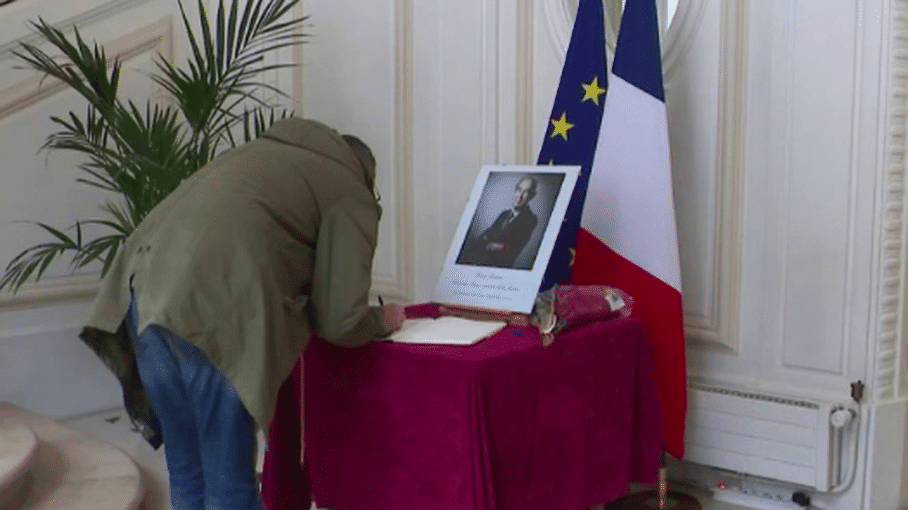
column 512, row 231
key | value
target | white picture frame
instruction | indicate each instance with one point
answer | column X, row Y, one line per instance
column 502, row 245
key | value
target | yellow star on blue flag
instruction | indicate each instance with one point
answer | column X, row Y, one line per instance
column 592, row 91
column 561, row 126
column 583, row 82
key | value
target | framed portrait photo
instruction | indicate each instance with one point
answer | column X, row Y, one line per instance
column 505, row 237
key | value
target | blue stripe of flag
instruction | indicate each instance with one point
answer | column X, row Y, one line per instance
column 638, row 59
column 585, row 60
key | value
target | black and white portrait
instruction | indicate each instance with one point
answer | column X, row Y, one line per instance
column 510, row 220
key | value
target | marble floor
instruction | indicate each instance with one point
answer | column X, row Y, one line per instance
column 54, row 467
column 114, row 427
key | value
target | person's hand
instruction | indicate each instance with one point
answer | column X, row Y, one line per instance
column 392, row 317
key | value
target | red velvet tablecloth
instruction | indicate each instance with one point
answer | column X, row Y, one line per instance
column 505, row 424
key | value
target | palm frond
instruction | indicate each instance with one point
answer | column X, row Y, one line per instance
column 38, row 257
column 142, row 153
column 94, row 249
column 125, row 218
column 116, row 226
column 226, row 54
column 261, row 123
column 85, row 69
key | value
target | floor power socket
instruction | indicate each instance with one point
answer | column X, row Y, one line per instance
column 755, row 497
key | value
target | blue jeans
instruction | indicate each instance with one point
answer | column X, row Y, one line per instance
column 209, row 437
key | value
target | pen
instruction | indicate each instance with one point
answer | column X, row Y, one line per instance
column 381, row 302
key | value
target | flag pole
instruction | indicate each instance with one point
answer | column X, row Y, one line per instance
column 615, row 250
column 665, row 500
column 659, row 498
column 663, row 484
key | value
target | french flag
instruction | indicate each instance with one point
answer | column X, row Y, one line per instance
column 628, row 237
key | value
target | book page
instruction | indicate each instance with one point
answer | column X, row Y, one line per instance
column 445, row 331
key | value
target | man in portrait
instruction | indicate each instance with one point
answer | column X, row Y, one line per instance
column 500, row 244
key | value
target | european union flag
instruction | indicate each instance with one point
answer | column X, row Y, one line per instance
column 574, row 126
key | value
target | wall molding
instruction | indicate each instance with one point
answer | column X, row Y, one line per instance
column 816, row 332
column 37, row 88
column 297, row 50
column 399, row 285
column 490, row 81
column 891, row 374
column 684, row 26
column 674, row 41
column 786, row 168
column 15, row 98
column 559, row 18
column 525, row 133
column 719, row 328
column 79, row 21
column 49, row 291
column 853, row 187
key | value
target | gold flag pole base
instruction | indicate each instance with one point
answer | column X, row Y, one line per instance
column 659, row 499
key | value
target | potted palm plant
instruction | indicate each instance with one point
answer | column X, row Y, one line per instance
column 143, row 152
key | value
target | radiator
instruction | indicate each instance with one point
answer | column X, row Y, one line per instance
column 771, row 437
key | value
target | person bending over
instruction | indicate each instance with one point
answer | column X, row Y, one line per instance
column 210, row 301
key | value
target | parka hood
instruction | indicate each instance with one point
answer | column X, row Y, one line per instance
column 315, row 136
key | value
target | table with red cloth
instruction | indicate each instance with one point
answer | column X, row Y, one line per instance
column 504, row 424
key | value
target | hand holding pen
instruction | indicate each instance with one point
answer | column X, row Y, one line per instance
column 392, row 316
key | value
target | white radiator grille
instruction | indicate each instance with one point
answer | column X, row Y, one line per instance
column 761, row 435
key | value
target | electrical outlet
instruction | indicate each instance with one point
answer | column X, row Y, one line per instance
column 750, row 497
column 745, row 491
